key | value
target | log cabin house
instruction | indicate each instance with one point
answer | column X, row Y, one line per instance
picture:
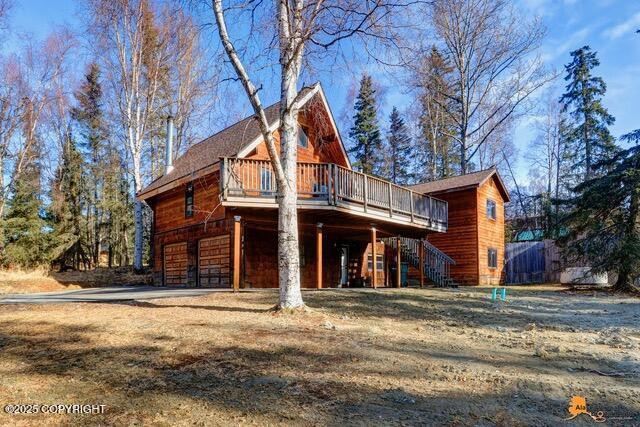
column 475, row 236
column 215, row 213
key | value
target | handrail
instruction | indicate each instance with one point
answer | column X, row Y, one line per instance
column 436, row 264
column 335, row 184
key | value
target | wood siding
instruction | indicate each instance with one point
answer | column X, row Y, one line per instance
column 490, row 233
column 460, row 241
column 169, row 207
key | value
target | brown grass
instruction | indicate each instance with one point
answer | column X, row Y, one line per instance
column 392, row 357
column 40, row 280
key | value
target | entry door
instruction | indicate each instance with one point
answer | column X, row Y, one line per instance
column 213, row 262
column 344, row 265
column 175, row 264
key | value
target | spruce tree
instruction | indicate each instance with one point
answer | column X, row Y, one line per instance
column 589, row 134
column 604, row 220
column 67, row 207
column 399, row 150
column 365, row 133
column 27, row 242
column 90, row 118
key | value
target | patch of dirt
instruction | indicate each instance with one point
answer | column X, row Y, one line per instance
column 391, row 357
column 21, row 282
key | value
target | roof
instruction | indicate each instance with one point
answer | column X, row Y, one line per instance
column 461, row 182
column 229, row 142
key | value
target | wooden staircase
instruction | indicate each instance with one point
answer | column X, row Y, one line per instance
column 436, row 266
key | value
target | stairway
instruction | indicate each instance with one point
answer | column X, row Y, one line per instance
column 437, row 264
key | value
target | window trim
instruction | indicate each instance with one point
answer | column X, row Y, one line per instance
column 380, row 259
column 494, row 210
column 302, row 131
column 189, row 192
column 495, row 250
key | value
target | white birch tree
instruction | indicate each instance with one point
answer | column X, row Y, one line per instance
column 301, row 29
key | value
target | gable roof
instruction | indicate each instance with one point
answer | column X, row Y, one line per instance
column 463, row 182
column 237, row 140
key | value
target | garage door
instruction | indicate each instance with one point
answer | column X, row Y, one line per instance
column 213, row 262
column 175, row 264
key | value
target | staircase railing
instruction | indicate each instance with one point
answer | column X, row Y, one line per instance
column 436, row 264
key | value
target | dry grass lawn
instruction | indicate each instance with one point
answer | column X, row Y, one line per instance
column 391, row 357
column 26, row 282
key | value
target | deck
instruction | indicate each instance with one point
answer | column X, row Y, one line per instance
column 322, row 186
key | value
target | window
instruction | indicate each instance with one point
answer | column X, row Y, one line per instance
column 303, row 139
column 491, row 209
column 266, row 181
column 379, row 264
column 188, row 201
column 492, row 258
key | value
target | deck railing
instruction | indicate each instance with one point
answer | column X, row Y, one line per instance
column 338, row 186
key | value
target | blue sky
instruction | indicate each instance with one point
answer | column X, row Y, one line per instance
column 608, row 26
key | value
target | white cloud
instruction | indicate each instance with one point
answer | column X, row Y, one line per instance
column 625, row 27
column 570, row 43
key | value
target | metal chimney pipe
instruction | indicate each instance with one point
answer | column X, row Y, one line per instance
column 168, row 162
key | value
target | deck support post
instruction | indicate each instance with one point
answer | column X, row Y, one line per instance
column 319, row 255
column 374, row 260
column 398, row 264
column 236, row 253
column 421, row 263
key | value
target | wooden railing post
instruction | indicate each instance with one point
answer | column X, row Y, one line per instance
column 236, row 253
column 390, row 200
column 374, row 261
column 319, row 255
column 411, row 205
column 365, row 191
column 398, row 263
column 421, row 262
column 329, row 184
column 335, row 184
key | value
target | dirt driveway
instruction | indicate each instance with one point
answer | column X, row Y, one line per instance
column 392, row 357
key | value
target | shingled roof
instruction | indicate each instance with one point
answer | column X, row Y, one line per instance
column 226, row 143
column 460, row 182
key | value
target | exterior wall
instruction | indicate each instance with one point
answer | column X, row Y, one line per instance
column 317, row 150
column 169, row 207
column 490, row 234
column 260, row 269
column 460, row 241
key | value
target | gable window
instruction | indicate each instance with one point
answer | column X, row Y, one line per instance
column 267, row 185
column 491, row 209
column 303, row 139
column 492, row 258
column 188, row 201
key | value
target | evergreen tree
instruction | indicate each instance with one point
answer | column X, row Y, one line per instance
column 604, row 220
column 26, row 239
column 90, row 118
column 399, row 150
column 365, row 133
column 436, row 153
column 67, row 200
column 589, row 135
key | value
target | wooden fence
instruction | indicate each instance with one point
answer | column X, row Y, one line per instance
column 532, row 262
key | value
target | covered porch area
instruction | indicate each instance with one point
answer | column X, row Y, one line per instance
column 337, row 250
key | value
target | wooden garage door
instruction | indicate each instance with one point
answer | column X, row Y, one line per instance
column 175, row 264
column 213, row 262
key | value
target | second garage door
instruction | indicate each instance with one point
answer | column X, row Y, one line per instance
column 213, row 262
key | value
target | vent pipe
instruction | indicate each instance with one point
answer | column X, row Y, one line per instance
column 168, row 162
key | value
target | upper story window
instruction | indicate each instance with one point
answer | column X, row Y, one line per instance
column 303, row 139
column 188, row 201
column 491, row 209
column 492, row 258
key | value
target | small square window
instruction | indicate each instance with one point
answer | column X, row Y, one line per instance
column 188, row 201
column 379, row 264
column 491, row 209
column 303, row 139
column 492, row 258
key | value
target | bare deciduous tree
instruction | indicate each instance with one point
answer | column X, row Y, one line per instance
column 490, row 48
